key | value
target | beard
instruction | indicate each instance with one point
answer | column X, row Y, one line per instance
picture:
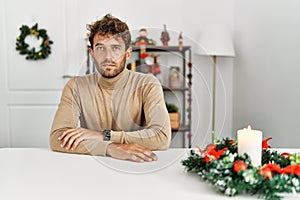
column 110, row 68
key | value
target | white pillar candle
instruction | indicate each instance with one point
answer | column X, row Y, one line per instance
column 250, row 142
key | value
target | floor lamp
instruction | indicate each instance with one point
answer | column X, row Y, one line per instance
column 215, row 41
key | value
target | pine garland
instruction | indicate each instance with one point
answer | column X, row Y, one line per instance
column 231, row 174
column 24, row 48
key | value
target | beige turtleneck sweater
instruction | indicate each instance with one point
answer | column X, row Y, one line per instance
column 131, row 105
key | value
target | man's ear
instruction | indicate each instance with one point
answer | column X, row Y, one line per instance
column 128, row 53
column 91, row 53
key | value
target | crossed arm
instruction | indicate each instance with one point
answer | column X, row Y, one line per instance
column 71, row 138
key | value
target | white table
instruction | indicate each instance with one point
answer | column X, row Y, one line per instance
column 40, row 174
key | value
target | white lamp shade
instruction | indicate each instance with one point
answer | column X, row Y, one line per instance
column 216, row 40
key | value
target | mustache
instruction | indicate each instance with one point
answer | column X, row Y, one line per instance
column 108, row 62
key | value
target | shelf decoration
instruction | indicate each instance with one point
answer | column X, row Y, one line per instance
column 154, row 68
column 189, row 98
column 143, row 39
column 174, row 77
column 180, row 42
column 32, row 53
column 165, row 37
column 174, row 116
column 233, row 174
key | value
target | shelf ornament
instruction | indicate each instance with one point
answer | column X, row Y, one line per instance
column 165, row 36
column 32, row 53
column 233, row 174
column 142, row 40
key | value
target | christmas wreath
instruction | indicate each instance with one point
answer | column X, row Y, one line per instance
column 233, row 174
column 32, row 53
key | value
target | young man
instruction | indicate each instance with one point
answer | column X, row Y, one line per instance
column 114, row 112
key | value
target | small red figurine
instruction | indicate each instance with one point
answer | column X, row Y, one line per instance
column 154, row 69
column 180, row 42
column 143, row 39
column 165, row 37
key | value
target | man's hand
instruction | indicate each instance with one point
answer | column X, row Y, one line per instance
column 133, row 152
column 71, row 138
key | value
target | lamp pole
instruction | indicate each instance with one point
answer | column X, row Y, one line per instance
column 214, row 99
column 215, row 40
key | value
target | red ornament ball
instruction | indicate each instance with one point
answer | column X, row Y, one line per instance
column 239, row 165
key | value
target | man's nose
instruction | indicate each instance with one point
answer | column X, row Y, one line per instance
column 109, row 54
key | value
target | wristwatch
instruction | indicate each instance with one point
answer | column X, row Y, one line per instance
column 106, row 134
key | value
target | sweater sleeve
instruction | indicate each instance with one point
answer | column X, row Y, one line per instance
column 66, row 117
column 157, row 133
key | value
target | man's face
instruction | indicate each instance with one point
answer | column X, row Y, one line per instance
column 109, row 55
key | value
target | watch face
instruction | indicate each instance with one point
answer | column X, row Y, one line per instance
column 106, row 134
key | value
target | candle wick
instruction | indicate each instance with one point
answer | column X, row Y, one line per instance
column 249, row 127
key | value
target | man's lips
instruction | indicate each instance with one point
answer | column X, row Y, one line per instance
column 108, row 65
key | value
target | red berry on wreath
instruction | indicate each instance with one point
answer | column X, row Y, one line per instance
column 239, row 165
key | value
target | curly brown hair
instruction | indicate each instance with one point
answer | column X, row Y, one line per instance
column 110, row 25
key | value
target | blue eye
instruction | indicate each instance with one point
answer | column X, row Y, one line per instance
column 99, row 48
column 116, row 48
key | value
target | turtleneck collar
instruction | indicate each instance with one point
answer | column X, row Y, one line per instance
column 115, row 82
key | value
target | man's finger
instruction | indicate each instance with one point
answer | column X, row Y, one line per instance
column 135, row 158
column 150, row 154
column 65, row 133
column 146, row 152
column 67, row 137
column 76, row 143
column 72, row 139
column 153, row 156
column 143, row 156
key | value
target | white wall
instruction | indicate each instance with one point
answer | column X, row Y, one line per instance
column 65, row 21
column 266, row 71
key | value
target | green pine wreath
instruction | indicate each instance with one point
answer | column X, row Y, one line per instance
column 32, row 53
